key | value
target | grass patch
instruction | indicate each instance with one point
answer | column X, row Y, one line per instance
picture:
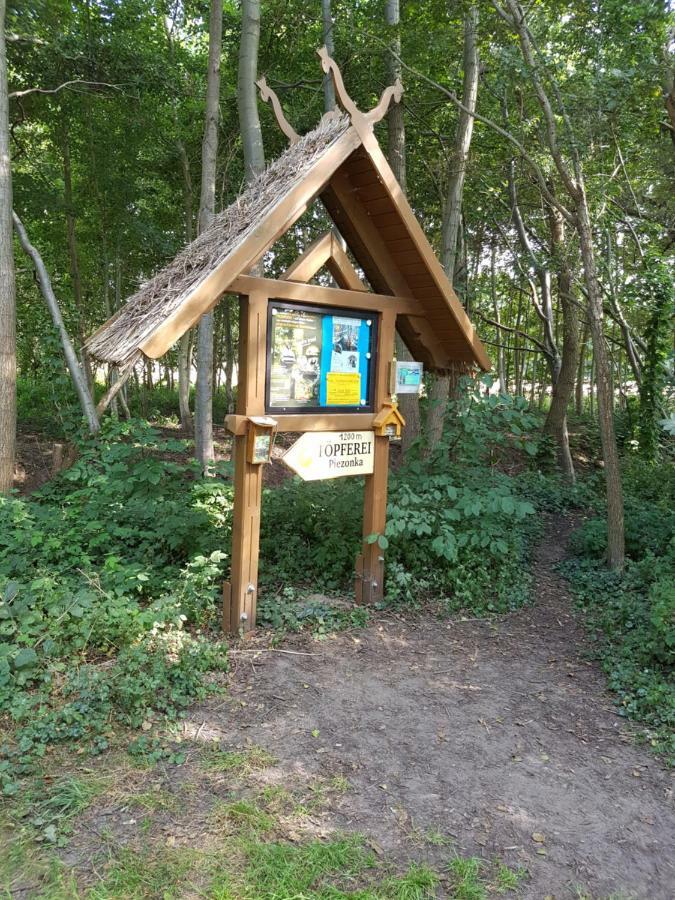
column 47, row 807
column 26, row 870
column 418, row 883
column 164, row 874
column 154, row 800
column 465, row 874
column 244, row 815
column 237, row 762
column 508, row 879
column 278, row 870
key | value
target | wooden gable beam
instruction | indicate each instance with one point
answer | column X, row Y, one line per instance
column 325, row 251
column 425, row 249
column 287, row 211
column 351, row 217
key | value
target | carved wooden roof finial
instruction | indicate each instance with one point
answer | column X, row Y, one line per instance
column 359, row 119
column 267, row 94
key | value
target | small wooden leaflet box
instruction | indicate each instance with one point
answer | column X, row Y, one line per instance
column 389, row 422
column 260, row 436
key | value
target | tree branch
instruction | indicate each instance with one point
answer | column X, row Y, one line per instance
column 517, row 331
column 66, row 84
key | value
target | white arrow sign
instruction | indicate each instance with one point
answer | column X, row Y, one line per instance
column 331, row 454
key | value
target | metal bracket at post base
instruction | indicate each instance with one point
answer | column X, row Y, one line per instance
column 368, row 585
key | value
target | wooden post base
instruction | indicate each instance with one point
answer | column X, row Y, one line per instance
column 240, row 594
column 369, row 567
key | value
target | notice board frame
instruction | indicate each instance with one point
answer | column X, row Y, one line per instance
column 324, row 311
column 240, row 593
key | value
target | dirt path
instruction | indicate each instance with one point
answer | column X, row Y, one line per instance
column 485, row 732
column 494, row 739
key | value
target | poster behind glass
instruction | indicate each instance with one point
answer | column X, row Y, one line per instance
column 318, row 359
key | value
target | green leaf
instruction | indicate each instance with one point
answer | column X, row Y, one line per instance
column 26, row 658
column 382, row 542
column 10, row 592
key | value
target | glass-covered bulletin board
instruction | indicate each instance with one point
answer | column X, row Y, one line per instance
column 319, row 358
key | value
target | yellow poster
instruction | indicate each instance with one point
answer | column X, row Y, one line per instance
column 343, row 389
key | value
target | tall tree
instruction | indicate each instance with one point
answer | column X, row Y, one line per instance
column 563, row 385
column 409, row 403
column 329, row 43
column 207, row 207
column 78, row 377
column 572, row 177
column 452, row 214
column 185, row 343
column 7, row 287
column 249, row 121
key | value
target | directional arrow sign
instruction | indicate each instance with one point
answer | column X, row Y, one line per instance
column 331, row 454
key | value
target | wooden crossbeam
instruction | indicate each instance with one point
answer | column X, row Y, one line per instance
column 325, row 251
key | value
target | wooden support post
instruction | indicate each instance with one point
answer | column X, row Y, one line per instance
column 240, row 594
column 369, row 566
column 374, row 520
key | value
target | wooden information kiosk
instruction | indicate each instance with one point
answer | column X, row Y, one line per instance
column 315, row 360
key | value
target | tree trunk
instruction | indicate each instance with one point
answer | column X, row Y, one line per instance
column 7, row 286
column 329, row 43
column 184, row 366
column 581, row 373
column 204, row 398
column 563, row 387
column 79, row 380
column 73, row 254
column 452, row 214
column 185, row 344
column 573, row 180
column 615, row 522
column 453, row 204
column 395, row 123
column 495, row 307
column 517, row 353
column 409, row 404
column 249, row 121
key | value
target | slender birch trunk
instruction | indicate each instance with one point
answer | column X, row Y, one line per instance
column 329, row 43
column 495, row 308
column 204, row 399
column 408, row 403
column 7, row 286
column 453, row 204
column 249, row 121
column 452, row 215
column 73, row 254
column 79, row 379
column 185, row 344
column 604, row 393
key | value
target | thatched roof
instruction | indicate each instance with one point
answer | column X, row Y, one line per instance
column 118, row 341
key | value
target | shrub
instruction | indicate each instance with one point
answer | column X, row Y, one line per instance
column 161, row 672
column 633, row 614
